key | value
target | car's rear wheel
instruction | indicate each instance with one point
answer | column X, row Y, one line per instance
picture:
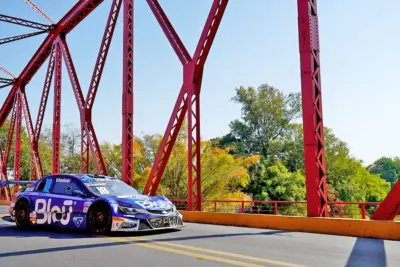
column 22, row 212
column 99, row 218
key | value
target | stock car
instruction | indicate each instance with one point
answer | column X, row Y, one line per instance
column 100, row 204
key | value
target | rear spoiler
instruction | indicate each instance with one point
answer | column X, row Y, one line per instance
column 4, row 183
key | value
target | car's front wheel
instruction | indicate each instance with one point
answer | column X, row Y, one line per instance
column 99, row 218
column 22, row 211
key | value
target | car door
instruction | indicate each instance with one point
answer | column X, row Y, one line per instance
column 67, row 209
column 41, row 199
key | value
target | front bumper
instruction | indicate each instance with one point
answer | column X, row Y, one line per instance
column 140, row 224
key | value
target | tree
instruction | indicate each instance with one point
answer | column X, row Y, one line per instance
column 387, row 168
column 266, row 115
column 112, row 154
column 71, row 139
column 277, row 183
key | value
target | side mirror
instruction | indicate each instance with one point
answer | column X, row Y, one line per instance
column 140, row 191
column 78, row 193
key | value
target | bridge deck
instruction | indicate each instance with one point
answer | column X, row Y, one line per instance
column 195, row 245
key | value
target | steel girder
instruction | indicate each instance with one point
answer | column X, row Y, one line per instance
column 313, row 127
column 188, row 102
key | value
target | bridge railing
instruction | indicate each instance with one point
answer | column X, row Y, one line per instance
column 355, row 210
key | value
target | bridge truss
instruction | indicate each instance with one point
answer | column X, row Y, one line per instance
column 54, row 49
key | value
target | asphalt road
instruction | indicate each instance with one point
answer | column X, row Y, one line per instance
column 193, row 246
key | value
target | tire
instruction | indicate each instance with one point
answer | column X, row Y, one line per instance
column 22, row 214
column 99, row 218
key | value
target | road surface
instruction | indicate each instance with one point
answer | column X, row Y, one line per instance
column 193, row 246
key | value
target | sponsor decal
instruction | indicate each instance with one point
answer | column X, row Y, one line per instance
column 49, row 214
column 86, row 206
column 96, row 184
column 63, row 180
column 164, row 222
column 47, row 186
column 116, row 223
column 157, row 222
column 102, row 190
column 78, row 221
column 147, row 204
column 32, row 217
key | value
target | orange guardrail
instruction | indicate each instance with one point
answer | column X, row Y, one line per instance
column 335, row 226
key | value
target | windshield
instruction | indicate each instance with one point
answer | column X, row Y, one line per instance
column 111, row 188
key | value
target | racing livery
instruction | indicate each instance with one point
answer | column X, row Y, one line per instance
column 91, row 202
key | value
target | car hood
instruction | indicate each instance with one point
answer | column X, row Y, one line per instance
column 143, row 202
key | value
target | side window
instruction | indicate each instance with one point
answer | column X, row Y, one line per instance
column 65, row 186
column 44, row 185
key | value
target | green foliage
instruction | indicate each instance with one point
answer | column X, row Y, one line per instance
column 261, row 158
column 266, row 115
column 277, row 183
column 387, row 168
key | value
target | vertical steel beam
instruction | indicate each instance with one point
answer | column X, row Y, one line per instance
column 3, row 176
column 313, row 127
column 127, row 94
column 57, row 110
column 84, row 150
column 193, row 121
column 10, row 134
column 17, row 149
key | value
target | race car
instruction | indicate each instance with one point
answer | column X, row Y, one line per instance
column 97, row 203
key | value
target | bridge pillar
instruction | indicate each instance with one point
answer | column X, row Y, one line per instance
column 313, row 128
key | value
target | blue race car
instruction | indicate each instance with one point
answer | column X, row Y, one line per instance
column 96, row 203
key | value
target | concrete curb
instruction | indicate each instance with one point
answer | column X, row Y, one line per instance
column 346, row 227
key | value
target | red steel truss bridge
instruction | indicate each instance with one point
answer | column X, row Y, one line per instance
column 55, row 51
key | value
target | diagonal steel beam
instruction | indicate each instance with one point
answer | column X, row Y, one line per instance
column 24, row 22
column 19, row 37
column 76, row 14
column 169, row 31
column 102, row 56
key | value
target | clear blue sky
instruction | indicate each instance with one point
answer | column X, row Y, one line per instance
column 257, row 43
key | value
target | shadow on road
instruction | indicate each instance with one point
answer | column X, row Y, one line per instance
column 13, row 231
column 367, row 252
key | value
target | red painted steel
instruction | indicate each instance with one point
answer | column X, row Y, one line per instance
column 77, row 13
column 45, row 96
column 36, row 164
column 354, row 209
column 3, row 176
column 312, row 109
column 37, row 9
column 6, row 154
column 57, row 109
column 87, row 127
column 102, row 55
column 127, row 94
column 390, row 206
column 188, row 101
column 17, row 148
column 7, row 72
column 187, row 104
column 66, row 24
